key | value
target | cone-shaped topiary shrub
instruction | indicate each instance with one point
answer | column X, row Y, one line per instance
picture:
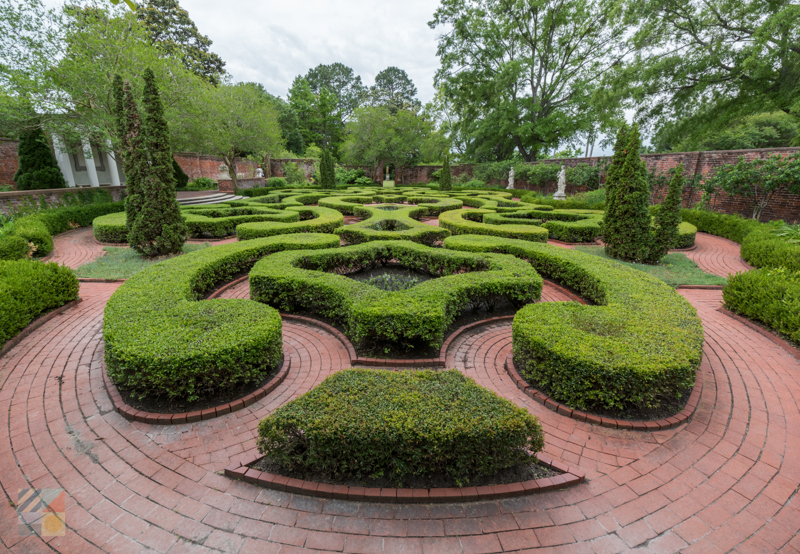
column 445, row 178
column 38, row 168
column 611, row 226
column 327, row 175
column 668, row 218
column 131, row 150
column 159, row 228
column 627, row 231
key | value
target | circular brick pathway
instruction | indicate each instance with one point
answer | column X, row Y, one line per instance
column 725, row 481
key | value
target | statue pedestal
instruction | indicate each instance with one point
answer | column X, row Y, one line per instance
column 559, row 196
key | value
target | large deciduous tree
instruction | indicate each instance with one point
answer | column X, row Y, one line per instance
column 317, row 115
column 376, row 135
column 523, row 74
column 710, row 63
column 171, row 28
column 63, row 60
column 231, row 119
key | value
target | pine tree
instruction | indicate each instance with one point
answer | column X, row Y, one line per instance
column 132, row 151
column 159, row 228
column 668, row 218
column 630, row 238
column 38, row 168
column 181, row 179
column 445, row 179
column 327, row 174
column 173, row 30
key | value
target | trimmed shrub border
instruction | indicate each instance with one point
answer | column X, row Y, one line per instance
column 774, row 337
column 658, row 425
column 385, row 362
column 35, row 324
column 133, row 414
column 571, row 476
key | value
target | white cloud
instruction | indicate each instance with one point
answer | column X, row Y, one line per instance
column 273, row 42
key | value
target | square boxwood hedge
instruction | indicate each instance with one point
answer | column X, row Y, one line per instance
column 160, row 341
column 309, row 281
column 30, row 288
column 641, row 344
column 369, row 423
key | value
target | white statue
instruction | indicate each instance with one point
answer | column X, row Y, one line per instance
column 562, row 185
column 259, row 172
column 510, row 179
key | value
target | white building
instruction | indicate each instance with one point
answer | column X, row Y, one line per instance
column 90, row 166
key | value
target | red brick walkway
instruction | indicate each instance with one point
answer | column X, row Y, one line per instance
column 717, row 255
column 726, row 481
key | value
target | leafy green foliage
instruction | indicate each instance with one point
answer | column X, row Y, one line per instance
column 639, row 346
column 758, row 180
column 171, row 29
column 470, row 222
column 13, row 247
column 277, row 182
column 293, row 281
column 312, row 220
column 38, row 168
column 160, row 341
column 710, row 64
column 524, row 75
column 293, row 174
column 732, row 227
column 360, row 423
column 134, row 156
column 29, row 289
column 158, row 228
column 394, row 90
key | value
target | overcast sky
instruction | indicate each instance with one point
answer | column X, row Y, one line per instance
column 272, row 42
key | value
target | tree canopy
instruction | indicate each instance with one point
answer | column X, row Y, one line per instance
column 523, row 74
column 171, row 28
column 394, row 90
column 342, row 82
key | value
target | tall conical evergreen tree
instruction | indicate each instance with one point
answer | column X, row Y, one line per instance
column 445, row 178
column 327, row 174
column 610, row 223
column 133, row 154
column 631, row 237
column 38, row 168
column 159, row 228
column 181, row 179
column 668, row 218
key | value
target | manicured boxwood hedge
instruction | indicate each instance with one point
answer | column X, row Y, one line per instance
column 768, row 295
column 13, row 247
column 160, row 341
column 436, row 206
column 461, row 222
column 40, row 227
column 295, row 281
column 361, row 423
column 641, row 344
column 30, row 288
column 392, row 222
column 110, row 228
column 344, row 204
column 762, row 248
column 313, row 219
column 221, row 221
column 686, row 235
column 732, row 227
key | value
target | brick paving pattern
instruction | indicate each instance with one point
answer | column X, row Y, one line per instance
column 726, row 481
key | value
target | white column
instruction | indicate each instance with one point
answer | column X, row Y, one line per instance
column 62, row 157
column 95, row 182
column 112, row 166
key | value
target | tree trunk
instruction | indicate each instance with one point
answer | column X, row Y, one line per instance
column 230, row 162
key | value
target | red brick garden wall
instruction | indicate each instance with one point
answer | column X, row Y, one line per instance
column 9, row 162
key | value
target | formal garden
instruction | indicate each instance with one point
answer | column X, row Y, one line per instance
column 389, row 327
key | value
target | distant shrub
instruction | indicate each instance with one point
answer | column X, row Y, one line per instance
column 276, row 182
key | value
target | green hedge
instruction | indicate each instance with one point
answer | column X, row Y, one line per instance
column 161, row 342
column 641, row 344
column 435, row 206
column 221, row 221
column 686, row 235
column 30, row 288
column 299, row 281
column 459, row 222
column 40, row 227
column 361, row 423
column 391, row 223
column 344, row 204
column 312, row 220
column 13, row 247
column 762, row 248
column 110, row 228
column 732, row 227
column 768, row 295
